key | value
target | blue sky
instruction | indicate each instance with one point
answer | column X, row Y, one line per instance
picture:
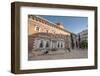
column 71, row 23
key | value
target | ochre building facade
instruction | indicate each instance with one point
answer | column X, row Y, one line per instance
column 43, row 34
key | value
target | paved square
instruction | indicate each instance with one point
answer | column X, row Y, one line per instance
column 59, row 54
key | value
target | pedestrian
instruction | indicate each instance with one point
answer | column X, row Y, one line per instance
column 45, row 51
column 68, row 49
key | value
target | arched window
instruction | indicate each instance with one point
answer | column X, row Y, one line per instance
column 41, row 44
column 37, row 28
column 58, row 45
column 53, row 31
column 47, row 44
column 61, row 45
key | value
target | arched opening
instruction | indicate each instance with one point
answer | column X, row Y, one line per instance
column 41, row 44
column 47, row 44
column 61, row 45
column 58, row 45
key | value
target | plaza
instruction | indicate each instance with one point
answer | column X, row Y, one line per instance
column 59, row 54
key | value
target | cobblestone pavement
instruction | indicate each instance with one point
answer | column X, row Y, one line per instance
column 59, row 54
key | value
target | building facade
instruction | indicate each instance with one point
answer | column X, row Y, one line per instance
column 43, row 34
column 82, row 39
column 84, row 35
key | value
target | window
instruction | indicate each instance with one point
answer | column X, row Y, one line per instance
column 37, row 28
column 41, row 44
column 47, row 44
column 61, row 45
column 58, row 45
column 53, row 31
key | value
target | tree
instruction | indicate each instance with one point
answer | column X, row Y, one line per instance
column 79, row 41
column 84, row 44
column 72, row 41
column 58, row 45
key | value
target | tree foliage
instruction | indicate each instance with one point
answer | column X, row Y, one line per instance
column 83, row 44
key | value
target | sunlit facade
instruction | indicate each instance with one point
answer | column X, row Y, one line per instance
column 43, row 34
